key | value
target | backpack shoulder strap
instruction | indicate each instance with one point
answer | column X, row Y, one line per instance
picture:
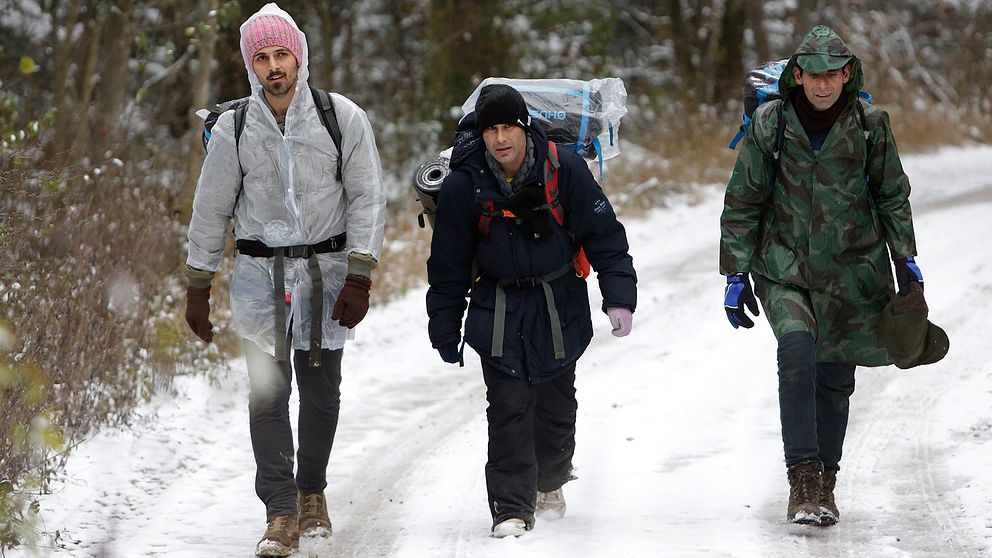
column 240, row 114
column 486, row 218
column 867, row 127
column 864, row 119
column 551, row 183
column 779, row 142
column 779, row 130
column 325, row 108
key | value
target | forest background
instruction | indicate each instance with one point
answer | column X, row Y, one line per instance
column 100, row 151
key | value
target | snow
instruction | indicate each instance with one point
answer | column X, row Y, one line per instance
column 678, row 449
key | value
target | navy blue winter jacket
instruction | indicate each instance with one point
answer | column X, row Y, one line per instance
column 509, row 252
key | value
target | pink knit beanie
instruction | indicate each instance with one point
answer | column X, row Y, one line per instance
column 270, row 30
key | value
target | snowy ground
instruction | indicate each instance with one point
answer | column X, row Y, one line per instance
column 678, row 448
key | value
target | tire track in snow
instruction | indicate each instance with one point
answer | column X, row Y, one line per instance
column 395, row 459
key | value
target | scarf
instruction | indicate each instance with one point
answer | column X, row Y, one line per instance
column 816, row 121
column 509, row 187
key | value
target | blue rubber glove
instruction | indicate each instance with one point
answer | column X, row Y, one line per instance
column 449, row 353
column 737, row 295
column 907, row 272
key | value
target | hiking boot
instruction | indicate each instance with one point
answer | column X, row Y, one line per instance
column 551, row 504
column 313, row 515
column 282, row 536
column 512, row 527
column 805, row 485
column 828, row 508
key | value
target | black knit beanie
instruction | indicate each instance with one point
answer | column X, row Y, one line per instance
column 500, row 104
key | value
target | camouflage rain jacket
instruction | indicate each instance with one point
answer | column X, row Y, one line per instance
column 815, row 240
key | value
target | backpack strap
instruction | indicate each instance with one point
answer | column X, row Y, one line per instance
column 779, row 131
column 864, row 119
column 866, row 127
column 499, row 309
column 551, row 183
column 325, row 108
column 240, row 115
column 488, row 210
column 779, row 142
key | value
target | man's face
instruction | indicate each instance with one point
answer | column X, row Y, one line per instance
column 824, row 89
column 276, row 68
column 507, row 143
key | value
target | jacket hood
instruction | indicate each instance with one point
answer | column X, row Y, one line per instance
column 468, row 141
column 272, row 9
column 821, row 50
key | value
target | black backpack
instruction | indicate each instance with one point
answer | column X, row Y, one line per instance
column 325, row 108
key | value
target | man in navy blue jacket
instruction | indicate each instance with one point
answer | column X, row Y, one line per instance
column 497, row 240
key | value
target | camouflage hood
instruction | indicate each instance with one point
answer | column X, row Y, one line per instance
column 822, row 50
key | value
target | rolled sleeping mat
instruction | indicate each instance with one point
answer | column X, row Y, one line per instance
column 427, row 181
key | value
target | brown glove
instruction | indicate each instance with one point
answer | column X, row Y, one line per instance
column 198, row 312
column 353, row 301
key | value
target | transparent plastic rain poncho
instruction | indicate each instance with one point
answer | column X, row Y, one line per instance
column 289, row 197
column 581, row 115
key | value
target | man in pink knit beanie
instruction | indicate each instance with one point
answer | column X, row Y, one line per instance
column 308, row 239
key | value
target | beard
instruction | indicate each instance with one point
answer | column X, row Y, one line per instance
column 279, row 88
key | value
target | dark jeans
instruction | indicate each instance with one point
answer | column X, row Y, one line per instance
column 272, row 435
column 814, row 400
column 531, row 440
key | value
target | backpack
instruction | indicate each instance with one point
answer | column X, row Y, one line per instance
column 760, row 86
column 325, row 108
column 583, row 116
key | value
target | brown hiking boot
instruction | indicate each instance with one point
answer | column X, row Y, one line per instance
column 805, row 485
column 282, row 536
column 313, row 515
column 828, row 508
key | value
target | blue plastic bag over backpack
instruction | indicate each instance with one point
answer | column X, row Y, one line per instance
column 761, row 86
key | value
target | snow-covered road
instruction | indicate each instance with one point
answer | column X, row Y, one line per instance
column 678, row 450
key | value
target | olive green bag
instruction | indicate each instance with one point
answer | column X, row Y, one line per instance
column 909, row 337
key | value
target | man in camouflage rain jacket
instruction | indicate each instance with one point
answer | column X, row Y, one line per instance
column 811, row 228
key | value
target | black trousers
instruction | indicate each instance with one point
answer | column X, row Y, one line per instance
column 272, row 435
column 531, row 440
column 814, row 401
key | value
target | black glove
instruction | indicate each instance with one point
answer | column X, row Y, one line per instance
column 198, row 313
column 528, row 204
column 449, row 353
column 736, row 296
column 907, row 272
